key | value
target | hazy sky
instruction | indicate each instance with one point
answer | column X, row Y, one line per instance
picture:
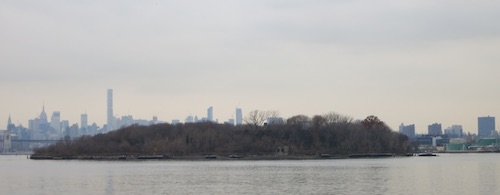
column 420, row 62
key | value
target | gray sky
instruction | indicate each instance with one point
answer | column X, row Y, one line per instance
column 405, row 61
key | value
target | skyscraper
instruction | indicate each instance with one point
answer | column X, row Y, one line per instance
column 9, row 123
column 43, row 116
column 455, row 131
column 408, row 130
column 239, row 116
column 189, row 119
column 435, row 129
column 111, row 118
column 485, row 125
column 210, row 114
column 84, row 121
column 55, row 121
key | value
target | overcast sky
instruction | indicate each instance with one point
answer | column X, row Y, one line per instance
column 420, row 62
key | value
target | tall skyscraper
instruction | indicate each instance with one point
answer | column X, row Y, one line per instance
column 239, row 116
column 55, row 121
column 485, row 125
column 84, row 121
column 43, row 116
column 111, row 118
column 210, row 114
column 9, row 123
column 435, row 129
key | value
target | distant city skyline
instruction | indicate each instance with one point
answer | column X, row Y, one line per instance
column 412, row 62
column 236, row 118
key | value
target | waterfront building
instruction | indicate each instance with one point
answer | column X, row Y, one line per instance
column 454, row 131
column 457, row 144
column 239, row 116
column 485, row 126
column 408, row 130
column 435, row 129
column 7, row 142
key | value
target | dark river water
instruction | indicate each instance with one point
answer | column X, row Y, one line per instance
column 445, row 174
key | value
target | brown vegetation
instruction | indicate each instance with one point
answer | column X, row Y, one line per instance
column 328, row 134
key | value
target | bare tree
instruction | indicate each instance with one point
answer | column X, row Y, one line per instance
column 256, row 118
column 336, row 119
column 299, row 120
column 372, row 121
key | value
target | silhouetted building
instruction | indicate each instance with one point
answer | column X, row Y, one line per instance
column 485, row 126
column 435, row 129
column 408, row 130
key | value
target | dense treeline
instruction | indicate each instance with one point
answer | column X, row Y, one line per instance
column 330, row 133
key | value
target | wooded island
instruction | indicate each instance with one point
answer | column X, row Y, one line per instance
column 300, row 135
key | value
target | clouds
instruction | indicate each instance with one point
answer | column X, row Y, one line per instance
column 300, row 52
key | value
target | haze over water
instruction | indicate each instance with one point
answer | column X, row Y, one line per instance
column 446, row 174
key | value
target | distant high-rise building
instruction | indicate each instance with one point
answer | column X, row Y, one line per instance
column 210, row 114
column 455, row 131
column 72, row 131
column 84, row 121
column 111, row 118
column 239, row 116
column 230, row 121
column 9, row 121
column 435, row 129
column 275, row 121
column 189, row 119
column 43, row 116
column 175, row 122
column 64, row 125
column 55, row 121
column 10, row 126
column 485, row 126
column 408, row 130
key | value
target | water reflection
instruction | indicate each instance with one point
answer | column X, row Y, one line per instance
column 447, row 174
